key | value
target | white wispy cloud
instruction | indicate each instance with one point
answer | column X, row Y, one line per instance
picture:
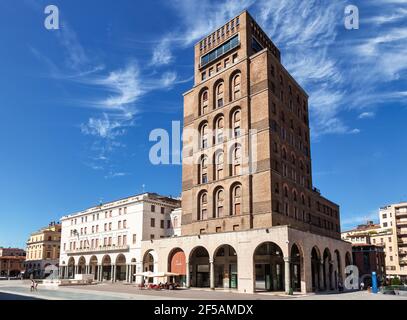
column 162, row 54
column 367, row 115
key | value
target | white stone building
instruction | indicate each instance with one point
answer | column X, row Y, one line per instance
column 105, row 240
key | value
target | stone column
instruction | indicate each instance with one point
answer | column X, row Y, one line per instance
column 287, row 275
column 212, row 274
column 333, row 283
column 112, row 273
column 76, row 269
column 188, row 275
column 321, row 275
column 100, row 273
column 127, row 273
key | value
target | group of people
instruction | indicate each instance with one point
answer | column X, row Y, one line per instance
column 162, row 286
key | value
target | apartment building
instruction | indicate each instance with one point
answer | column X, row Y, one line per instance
column 43, row 248
column 11, row 262
column 105, row 240
column 394, row 218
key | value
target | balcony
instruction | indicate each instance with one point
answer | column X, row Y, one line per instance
column 401, row 222
column 403, row 261
column 100, row 249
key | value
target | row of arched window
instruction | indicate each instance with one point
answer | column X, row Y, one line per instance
column 293, row 160
column 219, row 98
column 235, row 163
column 218, row 134
column 219, row 203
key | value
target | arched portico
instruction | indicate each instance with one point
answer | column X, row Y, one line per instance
column 225, row 265
column 177, row 264
column 297, row 268
column 120, row 268
column 200, row 272
column 81, row 266
column 93, row 267
column 327, row 270
column 106, row 268
column 71, row 268
column 269, row 263
column 316, row 269
column 150, row 261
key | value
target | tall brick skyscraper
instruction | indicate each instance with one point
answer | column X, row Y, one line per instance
column 245, row 105
column 251, row 219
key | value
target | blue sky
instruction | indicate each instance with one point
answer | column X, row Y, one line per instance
column 77, row 104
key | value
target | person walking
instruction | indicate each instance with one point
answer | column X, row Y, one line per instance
column 362, row 286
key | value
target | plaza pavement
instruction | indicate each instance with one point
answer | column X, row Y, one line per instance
column 21, row 290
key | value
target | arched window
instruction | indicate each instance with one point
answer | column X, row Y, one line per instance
column 203, row 203
column 220, row 95
column 219, row 126
column 293, row 158
column 204, row 136
column 303, row 199
column 286, row 191
column 236, row 93
column 219, row 166
column 295, row 195
column 236, row 160
column 204, row 103
column 284, row 153
column 236, row 200
column 219, row 198
column 236, row 118
column 203, row 170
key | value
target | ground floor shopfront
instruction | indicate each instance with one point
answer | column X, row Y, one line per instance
column 274, row 259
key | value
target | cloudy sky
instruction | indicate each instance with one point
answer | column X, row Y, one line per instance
column 77, row 104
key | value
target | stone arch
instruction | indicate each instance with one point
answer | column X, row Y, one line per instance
column 316, row 268
column 82, row 265
column 225, row 267
column 93, row 266
column 327, row 270
column 71, row 268
column 268, row 260
column 177, row 264
column 121, row 268
column 297, row 267
column 200, row 267
column 106, row 267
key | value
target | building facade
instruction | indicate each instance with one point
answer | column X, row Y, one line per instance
column 105, row 240
column 11, row 262
column 394, row 218
column 251, row 218
column 43, row 249
column 369, row 258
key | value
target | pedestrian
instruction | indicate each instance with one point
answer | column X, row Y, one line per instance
column 362, row 286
